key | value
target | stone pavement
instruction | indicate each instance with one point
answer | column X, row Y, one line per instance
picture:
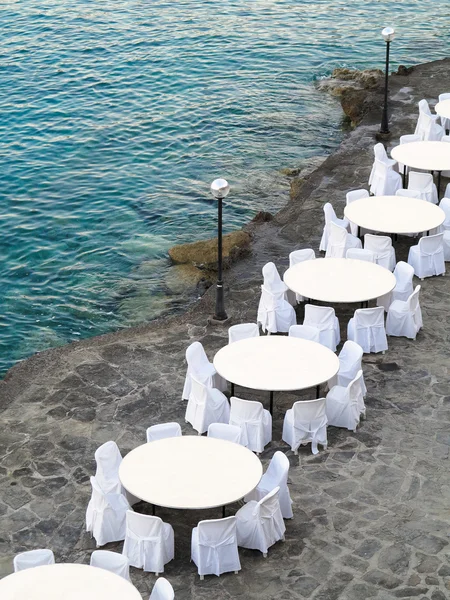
column 371, row 514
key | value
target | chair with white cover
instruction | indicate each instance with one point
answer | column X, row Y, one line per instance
column 427, row 257
column 254, row 421
column 296, row 257
column 407, row 139
column 260, row 524
column 409, row 194
column 366, row 328
column 423, row 183
column 382, row 248
column 242, row 331
column 383, row 180
column 305, row 332
column 225, row 431
column 108, row 459
column 405, row 317
column 105, row 515
column 203, row 370
column 447, row 191
column 360, row 254
column 445, row 138
column 325, row 320
column 206, row 405
column 162, row 590
column 33, row 558
column 345, row 404
column 272, row 280
column 304, row 423
column 330, row 217
column 427, row 127
column 274, row 312
column 350, row 362
column 403, row 274
column 339, row 241
column 149, row 542
column 351, row 197
column 214, row 548
column 162, row 431
column 445, row 122
column 445, row 227
column 276, row 476
column 111, row 561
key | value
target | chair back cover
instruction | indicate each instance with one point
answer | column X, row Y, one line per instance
column 277, row 471
column 242, row 331
column 309, row 419
column 409, row 138
column 360, row 254
column 268, row 512
column 409, row 193
column 445, row 121
column 431, row 244
column 369, row 317
column 403, row 274
column 356, row 195
column 321, row 317
column 380, row 153
column 217, row 545
column 380, row 245
column 350, row 358
column 163, row 430
column 299, row 256
column 108, row 459
column 445, row 205
column 162, row 590
column 426, row 127
column 413, row 300
column 199, row 392
column 420, row 182
column 248, row 415
column 305, row 332
column 33, row 558
column 337, row 241
column 196, row 358
column 272, row 279
column 274, row 312
column 111, row 561
column 143, row 526
column 224, row 431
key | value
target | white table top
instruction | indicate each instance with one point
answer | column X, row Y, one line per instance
column 339, row 280
column 430, row 156
column 276, row 363
column 190, row 472
column 443, row 109
column 394, row 214
column 65, row 581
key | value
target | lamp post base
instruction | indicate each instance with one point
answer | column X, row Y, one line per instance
column 213, row 320
column 383, row 136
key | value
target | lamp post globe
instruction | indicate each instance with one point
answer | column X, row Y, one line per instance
column 219, row 189
column 388, row 34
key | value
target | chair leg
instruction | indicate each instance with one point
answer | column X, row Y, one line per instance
column 264, row 554
column 202, row 577
column 236, row 572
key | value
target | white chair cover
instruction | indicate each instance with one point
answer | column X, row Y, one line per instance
column 350, row 362
column 447, row 191
column 381, row 246
column 306, row 422
column 345, row 405
column 404, row 274
column 276, row 476
column 305, row 332
column 405, row 317
column 214, row 547
column 339, row 240
column 445, row 122
column 330, row 217
column 360, row 254
column 423, row 183
column 446, row 245
column 325, row 320
column 409, row 194
column 163, row 430
column 383, row 180
column 162, row 590
column 33, row 558
column 108, row 459
column 149, row 542
column 203, row 370
column 445, row 205
column 351, row 197
column 111, row 561
column 254, row 422
column 407, row 139
column 260, row 524
column 427, row 258
column 242, row 331
column 296, row 257
column 366, row 328
column 427, row 127
column 445, row 138
column 206, row 405
column 105, row 515
column 272, row 280
column 225, row 431
column 274, row 312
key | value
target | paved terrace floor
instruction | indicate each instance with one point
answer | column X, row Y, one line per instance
column 371, row 514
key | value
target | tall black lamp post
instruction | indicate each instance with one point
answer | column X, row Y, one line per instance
column 388, row 34
column 219, row 189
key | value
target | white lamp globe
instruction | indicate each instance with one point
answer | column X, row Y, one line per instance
column 220, row 188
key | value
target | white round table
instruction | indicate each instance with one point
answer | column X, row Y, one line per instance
column 190, row 472
column 66, row 581
column 276, row 363
column 339, row 280
column 443, row 109
column 394, row 214
column 429, row 156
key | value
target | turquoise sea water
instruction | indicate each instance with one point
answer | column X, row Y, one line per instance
column 116, row 116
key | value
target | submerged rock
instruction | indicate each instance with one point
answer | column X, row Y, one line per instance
column 203, row 254
column 182, row 279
